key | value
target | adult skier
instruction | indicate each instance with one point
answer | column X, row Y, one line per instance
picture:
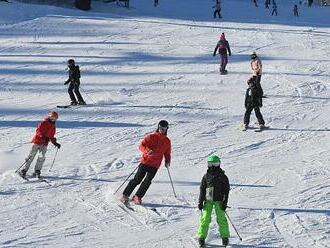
column 153, row 147
column 253, row 101
column 223, row 47
column 74, row 80
column 44, row 133
column 214, row 192
column 217, row 9
column 256, row 67
column 295, row 10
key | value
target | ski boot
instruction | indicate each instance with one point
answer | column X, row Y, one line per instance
column 36, row 174
column 73, row 103
column 81, row 103
column 225, row 241
column 124, row 199
column 137, row 200
column 22, row 174
column 201, row 242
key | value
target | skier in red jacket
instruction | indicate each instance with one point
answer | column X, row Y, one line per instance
column 154, row 147
column 44, row 133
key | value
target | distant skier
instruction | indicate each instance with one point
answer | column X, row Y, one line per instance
column 274, row 9
column 154, row 147
column 74, row 80
column 44, row 133
column 256, row 67
column 295, row 10
column 310, row 2
column 155, row 3
column 253, row 101
column 217, row 9
column 223, row 47
column 255, row 3
column 214, row 192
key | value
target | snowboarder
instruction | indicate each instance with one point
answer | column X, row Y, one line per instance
column 274, row 9
column 256, row 67
column 295, row 10
column 223, row 46
column 217, row 9
column 253, row 100
column 44, row 133
column 214, row 192
column 154, row 147
column 74, row 80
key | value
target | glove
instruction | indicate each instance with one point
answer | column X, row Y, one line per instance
column 57, row 145
column 200, row 206
column 167, row 164
column 150, row 152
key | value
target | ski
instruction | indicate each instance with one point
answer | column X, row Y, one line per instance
column 70, row 106
column 64, row 106
column 25, row 178
column 261, row 129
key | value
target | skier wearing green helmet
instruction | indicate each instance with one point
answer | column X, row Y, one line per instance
column 214, row 191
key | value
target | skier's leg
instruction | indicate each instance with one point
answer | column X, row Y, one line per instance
column 205, row 220
column 247, row 115
column 222, row 221
column 76, row 91
column 151, row 172
column 222, row 66
column 70, row 91
column 140, row 174
column 259, row 116
column 41, row 159
column 225, row 62
column 30, row 157
column 214, row 14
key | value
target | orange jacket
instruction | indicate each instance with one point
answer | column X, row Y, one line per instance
column 44, row 133
column 160, row 145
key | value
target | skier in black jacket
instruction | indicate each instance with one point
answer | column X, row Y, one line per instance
column 74, row 80
column 253, row 100
column 214, row 191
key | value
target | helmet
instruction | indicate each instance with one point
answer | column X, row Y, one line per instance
column 253, row 55
column 70, row 62
column 213, row 161
column 53, row 115
column 162, row 124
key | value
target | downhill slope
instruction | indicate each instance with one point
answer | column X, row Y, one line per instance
column 145, row 64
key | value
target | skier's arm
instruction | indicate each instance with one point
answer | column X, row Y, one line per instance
column 167, row 154
column 143, row 147
column 202, row 192
column 215, row 50
column 228, row 48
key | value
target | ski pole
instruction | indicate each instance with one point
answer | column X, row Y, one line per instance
column 53, row 161
column 169, row 175
column 24, row 163
column 240, row 238
column 88, row 95
column 126, row 180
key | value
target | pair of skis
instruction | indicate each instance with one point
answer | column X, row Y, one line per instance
column 39, row 179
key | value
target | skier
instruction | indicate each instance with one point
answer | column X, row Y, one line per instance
column 217, row 9
column 154, row 147
column 223, row 46
column 274, row 9
column 295, row 10
column 214, row 191
column 256, row 66
column 155, row 3
column 44, row 133
column 253, row 100
column 74, row 80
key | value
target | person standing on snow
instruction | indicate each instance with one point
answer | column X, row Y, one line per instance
column 154, row 147
column 223, row 47
column 74, row 80
column 295, row 10
column 217, row 9
column 256, row 67
column 214, row 192
column 44, row 133
column 274, row 9
column 253, row 100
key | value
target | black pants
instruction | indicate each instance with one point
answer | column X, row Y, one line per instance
column 256, row 111
column 217, row 12
column 73, row 87
column 144, row 172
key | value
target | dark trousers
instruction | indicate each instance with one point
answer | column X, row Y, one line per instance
column 274, row 12
column 224, row 62
column 256, row 111
column 73, row 87
column 144, row 172
column 217, row 12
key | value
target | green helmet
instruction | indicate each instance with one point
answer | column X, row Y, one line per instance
column 213, row 160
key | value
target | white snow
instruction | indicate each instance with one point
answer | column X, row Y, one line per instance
column 145, row 64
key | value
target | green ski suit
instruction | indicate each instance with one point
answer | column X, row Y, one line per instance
column 214, row 191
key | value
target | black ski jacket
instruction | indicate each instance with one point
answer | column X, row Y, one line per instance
column 74, row 75
column 253, row 96
column 216, row 184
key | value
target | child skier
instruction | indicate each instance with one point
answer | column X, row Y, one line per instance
column 44, row 133
column 253, row 100
column 154, row 147
column 223, row 46
column 74, row 80
column 256, row 67
column 214, row 191
column 217, row 9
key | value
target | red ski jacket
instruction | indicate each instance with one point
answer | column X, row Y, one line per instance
column 44, row 133
column 160, row 145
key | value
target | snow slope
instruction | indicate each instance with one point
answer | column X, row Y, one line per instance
column 146, row 64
